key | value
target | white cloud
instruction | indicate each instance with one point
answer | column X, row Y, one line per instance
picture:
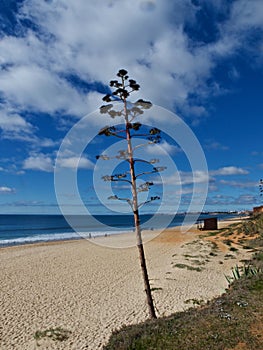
column 229, row 170
column 28, row 204
column 93, row 101
column 93, row 39
column 245, row 199
column 197, row 177
column 245, row 19
column 13, row 122
column 233, row 73
column 239, row 184
column 40, row 162
column 6, row 190
column 15, row 127
column 162, row 148
column 40, row 90
column 214, row 145
column 246, row 15
column 25, row 50
column 184, row 178
column 45, row 142
column 75, row 162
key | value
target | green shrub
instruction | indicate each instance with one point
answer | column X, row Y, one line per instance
column 55, row 334
column 240, row 271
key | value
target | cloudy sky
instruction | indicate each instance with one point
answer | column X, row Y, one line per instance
column 200, row 59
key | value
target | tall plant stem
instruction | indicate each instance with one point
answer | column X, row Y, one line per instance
column 137, row 217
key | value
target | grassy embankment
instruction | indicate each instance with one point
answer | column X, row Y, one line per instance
column 232, row 321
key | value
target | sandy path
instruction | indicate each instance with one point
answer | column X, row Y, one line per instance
column 91, row 290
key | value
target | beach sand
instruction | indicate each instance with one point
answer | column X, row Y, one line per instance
column 90, row 289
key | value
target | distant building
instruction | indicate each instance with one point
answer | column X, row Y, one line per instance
column 207, row 224
column 210, row 224
column 257, row 210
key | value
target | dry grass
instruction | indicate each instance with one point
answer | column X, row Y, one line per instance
column 233, row 321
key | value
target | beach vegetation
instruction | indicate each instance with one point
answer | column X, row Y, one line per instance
column 153, row 289
column 242, row 271
column 189, row 256
column 195, row 301
column 138, row 170
column 212, row 254
column 233, row 249
column 188, row 267
column 229, row 256
column 55, row 334
column 231, row 321
column 261, row 188
column 259, row 256
column 227, row 322
column 227, row 242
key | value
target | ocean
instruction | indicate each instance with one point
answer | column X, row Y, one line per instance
column 25, row 229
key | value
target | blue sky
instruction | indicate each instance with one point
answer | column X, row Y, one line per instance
column 201, row 60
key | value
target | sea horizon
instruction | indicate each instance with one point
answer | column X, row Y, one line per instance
column 19, row 229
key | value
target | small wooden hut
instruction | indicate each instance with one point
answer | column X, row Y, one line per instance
column 257, row 210
column 207, row 224
column 210, row 224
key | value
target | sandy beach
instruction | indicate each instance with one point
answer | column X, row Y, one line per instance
column 90, row 290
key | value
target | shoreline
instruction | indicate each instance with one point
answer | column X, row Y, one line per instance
column 90, row 289
column 117, row 234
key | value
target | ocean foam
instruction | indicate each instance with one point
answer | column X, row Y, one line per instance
column 57, row 237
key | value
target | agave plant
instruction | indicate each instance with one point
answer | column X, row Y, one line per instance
column 240, row 271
